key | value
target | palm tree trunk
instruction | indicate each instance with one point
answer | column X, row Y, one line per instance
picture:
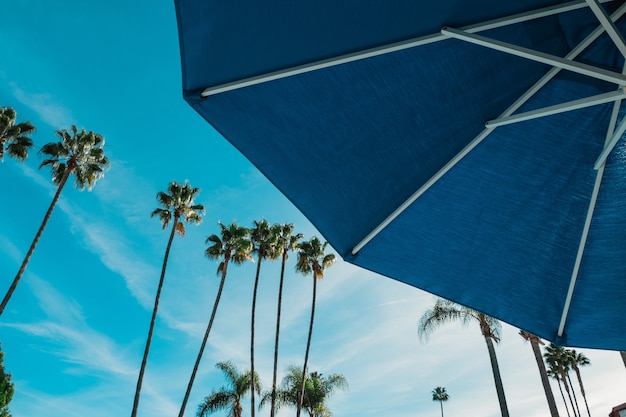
column 206, row 337
column 569, row 395
column 569, row 380
column 256, row 286
column 582, row 389
column 22, row 269
column 497, row 378
column 280, row 300
column 534, row 343
column 441, row 404
column 153, row 320
column 623, row 354
column 558, row 381
column 308, row 345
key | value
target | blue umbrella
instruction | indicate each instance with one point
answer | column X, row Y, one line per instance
column 468, row 148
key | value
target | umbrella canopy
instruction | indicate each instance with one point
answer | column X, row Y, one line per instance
column 468, row 148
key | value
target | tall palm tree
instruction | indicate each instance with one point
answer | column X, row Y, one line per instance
column 179, row 208
column 229, row 396
column 262, row 238
column 234, row 246
column 556, row 358
column 445, row 311
column 576, row 360
column 534, row 343
column 286, row 241
column 14, row 138
column 80, row 153
column 553, row 372
column 440, row 394
column 318, row 389
column 312, row 258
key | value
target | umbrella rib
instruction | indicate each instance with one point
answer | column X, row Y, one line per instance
column 559, row 108
column 520, row 101
column 608, row 25
column 394, row 47
column 563, row 63
column 592, row 204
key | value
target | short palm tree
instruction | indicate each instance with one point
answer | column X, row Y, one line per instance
column 440, row 394
column 229, row 396
column 554, row 373
column 576, row 361
column 557, row 359
column 286, row 241
column 318, row 389
column 79, row 153
column 445, row 311
column 233, row 245
column 262, row 238
column 534, row 343
column 179, row 208
column 14, row 137
column 312, row 258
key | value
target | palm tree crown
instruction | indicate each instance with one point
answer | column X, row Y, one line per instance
column 77, row 152
column 318, row 389
column 229, row 396
column 14, row 138
column 178, row 203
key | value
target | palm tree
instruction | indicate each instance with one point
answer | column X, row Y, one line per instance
column 179, row 208
column 285, row 241
column 14, row 138
column 576, row 360
column 553, row 372
column 556, row 358
column 445, row 311
column 229, row 396
column 312, row 258
column 317, row 390
column 234, row 246
column 6, row 389
column 80, row 153
column 263, row 240
column 534, row 343
column 440, row 394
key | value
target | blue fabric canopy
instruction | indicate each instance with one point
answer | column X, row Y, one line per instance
column 514, row 221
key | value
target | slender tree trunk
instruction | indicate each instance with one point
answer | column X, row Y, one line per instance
column 441, row 404
column 534, row 343
column 569, row 380
column 569, row 395
column 22, row 269
column 280, row 300
column 206, row 337
column 564, row 400
column 153, row 320
column 582, row 389
column 308, row 345
column 497, row 378
column 256, row 286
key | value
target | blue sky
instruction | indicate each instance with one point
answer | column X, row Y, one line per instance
column 75, row 329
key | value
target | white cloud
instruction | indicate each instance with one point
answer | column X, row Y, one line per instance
column 46, row 106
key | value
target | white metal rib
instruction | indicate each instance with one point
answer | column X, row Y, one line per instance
column 578, row 67
column 559, row 108
column 516, row 105
column 394, row 47
column 592, row 205
column 608, row 25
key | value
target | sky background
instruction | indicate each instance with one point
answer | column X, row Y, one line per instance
column 74, row 331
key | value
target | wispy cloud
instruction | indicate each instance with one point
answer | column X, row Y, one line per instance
column 45, row 105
